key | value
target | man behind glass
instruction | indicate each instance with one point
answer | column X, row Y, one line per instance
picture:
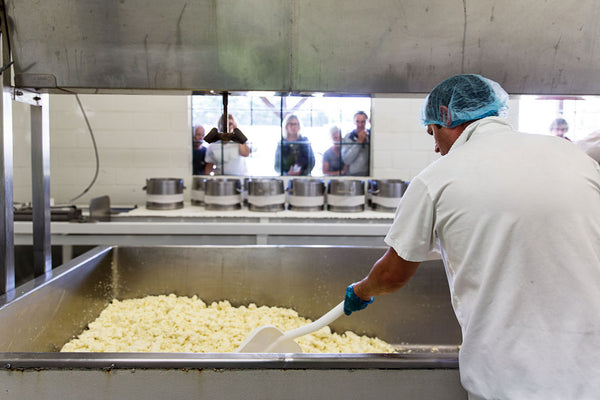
column 355, row 147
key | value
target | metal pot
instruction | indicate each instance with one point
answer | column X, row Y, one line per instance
column 198, row 190
column 164, row 193
column 371, row 186
column 346, row 195
column 266, row 195
column 386, row 194
column 223, row 194
column 306, row 194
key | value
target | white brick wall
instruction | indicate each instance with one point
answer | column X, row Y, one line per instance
column 145, row 136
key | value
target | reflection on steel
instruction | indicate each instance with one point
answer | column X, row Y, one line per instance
column 7, row 252
column 429, row 360
column 272, row 45
column 50, row 311
column 310, row 279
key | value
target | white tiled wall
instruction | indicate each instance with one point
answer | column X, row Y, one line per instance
column 145, row 136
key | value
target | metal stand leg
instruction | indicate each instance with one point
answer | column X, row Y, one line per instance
column 40, row 174
column 7, row 250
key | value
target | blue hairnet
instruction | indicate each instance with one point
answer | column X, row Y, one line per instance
column 468, row 97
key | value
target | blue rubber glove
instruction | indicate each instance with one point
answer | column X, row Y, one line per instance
column 354, row 303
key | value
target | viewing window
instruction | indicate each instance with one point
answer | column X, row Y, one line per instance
column 287, row 134
column 581, row 113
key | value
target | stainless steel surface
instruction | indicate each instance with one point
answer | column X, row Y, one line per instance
column 385, row 189
column 47, row 312
column 232, row 384
column 346, row 188
column 265, row 186
column 534, row 47
column 40, row 170
column 164, row 193
column 216, row 231
column 223, row 194
column 389, row 187
column 100, row 208
column 307, row 188
column 164, row 185
column 266, row 194
column 199, row 185
column 7, row 251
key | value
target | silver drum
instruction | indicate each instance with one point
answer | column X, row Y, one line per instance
column 386, row 194
column 223, row 194
column 306, row 194
column 266, row 195
column 164, row 193
column 346, row 195
column 198, row 190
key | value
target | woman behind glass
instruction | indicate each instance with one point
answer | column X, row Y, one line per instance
column 332, row 158
column 294, row 154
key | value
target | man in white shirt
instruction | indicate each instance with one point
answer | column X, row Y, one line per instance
column 591, row 145
column 517, row 218
column 355, row 147
column 229, row 155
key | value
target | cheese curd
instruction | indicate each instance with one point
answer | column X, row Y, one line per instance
column 177, row 324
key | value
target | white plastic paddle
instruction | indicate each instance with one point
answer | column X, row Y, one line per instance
column 270, row 339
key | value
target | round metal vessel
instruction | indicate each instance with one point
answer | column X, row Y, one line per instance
column 346, row 195
column 371, row 186
column 386, row 194
column 164, row 193
column 198, row 190
column 306, row 194
column 223, row 194
column 266, row 195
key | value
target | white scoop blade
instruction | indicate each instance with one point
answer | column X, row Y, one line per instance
column 260, row 339
column 270, row 339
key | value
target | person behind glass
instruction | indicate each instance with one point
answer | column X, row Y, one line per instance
column 590, row 145
column 294, row 154
column 355, row 148
column 332, row 158
column 227, row 158
column 198, row 152
column 559, row 127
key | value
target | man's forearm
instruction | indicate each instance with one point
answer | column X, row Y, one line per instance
column 388, row 274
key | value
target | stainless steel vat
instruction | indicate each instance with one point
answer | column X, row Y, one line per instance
column 198, row 190
column 266, row 194
column 164, row 193
column 223, row 194
column 345, row 195
column 385, row 194
column 42, row 315
column 306, row 194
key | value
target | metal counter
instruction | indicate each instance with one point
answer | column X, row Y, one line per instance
column 42, row 315
column 196, row 226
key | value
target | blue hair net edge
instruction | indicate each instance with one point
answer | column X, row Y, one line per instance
column 487, row 111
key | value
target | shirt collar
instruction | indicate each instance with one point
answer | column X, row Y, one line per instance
column 469, row 131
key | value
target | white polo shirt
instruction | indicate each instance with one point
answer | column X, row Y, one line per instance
column 591, row 145
column 233, row 162
column 518, row 219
